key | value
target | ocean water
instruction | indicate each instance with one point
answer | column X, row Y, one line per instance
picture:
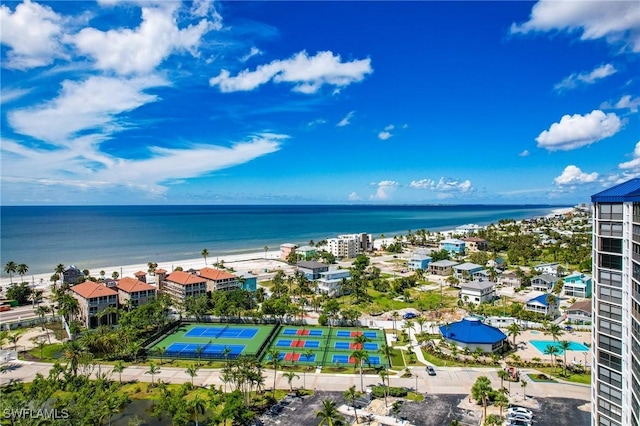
column 101, row 236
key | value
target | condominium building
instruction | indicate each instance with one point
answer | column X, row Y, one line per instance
column 349, row 246
column 96, row 304
column 616, row 306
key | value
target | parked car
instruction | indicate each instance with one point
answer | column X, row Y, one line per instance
column 518, row 418
column 518, row 423
column 409, row 315
column 431, row 371
column 518, row 415
column 518, row 409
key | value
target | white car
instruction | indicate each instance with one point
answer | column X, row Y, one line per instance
column 520, row 410
column 518, row 418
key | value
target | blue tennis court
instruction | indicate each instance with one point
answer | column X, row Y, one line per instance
column 222, row 332
column 349, row 333
column 311, row 344
column 301, row 332
column 283, row 343
column 308, row 358
column 342, row 345
column 231, row 351
column 371, row 346
column 342, row 359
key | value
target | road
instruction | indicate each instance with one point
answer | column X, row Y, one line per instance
column 18, row 313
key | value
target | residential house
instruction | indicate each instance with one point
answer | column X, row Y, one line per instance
column 472, row 333
column 472, row 244
column 219, row 280
column 577, row 285
column 180, row 285
column 419, row 261
column 442, row 267
column 468, row 229
column 453, row 246
column 580, row 312
column 72, row 275
column 548, row 269
column 248, row 280
column 477, row 292
column 544, row 282
column 139, row 292
column 312, row 269
column 93, row 300
column 541, row 305
column 509, row 279
column 465, row 271
column 486, row 275
column 306, row 252
column 330, row 282
column 286, row 249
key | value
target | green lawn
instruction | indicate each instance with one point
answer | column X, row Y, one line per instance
column 556, row 373
column 396, row 358
column 50, row 353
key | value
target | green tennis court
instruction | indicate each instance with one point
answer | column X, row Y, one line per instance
column 213, row 341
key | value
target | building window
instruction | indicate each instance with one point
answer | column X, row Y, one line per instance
column 609, row 327
column 611, row 361
column 612, row 229
column 610, row 344
column 610, row 261
column 610, row 211
column 611, row 245
column 607, row 294
column 613, row 395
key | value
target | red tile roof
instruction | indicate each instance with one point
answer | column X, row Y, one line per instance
column 139, row 273
column 161, row 271
column 215, row 274
column 184, row 278
column 474, row 240
column 132, row 285
column 90, row 290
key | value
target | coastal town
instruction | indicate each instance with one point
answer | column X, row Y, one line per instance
column 498, row 317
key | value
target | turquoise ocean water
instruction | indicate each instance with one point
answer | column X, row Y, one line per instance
column 100, row 236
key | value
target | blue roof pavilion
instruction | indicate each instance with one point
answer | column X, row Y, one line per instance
column 472, row 333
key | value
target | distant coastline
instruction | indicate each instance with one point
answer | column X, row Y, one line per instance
column 94, row 236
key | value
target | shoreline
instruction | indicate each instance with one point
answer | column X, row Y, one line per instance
column 250, row 260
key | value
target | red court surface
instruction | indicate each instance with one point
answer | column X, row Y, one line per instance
column 297, row 344
column 355, row 345
column 356, row 333
column 292, row 356
column 302, row 332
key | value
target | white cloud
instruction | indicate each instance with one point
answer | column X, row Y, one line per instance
column 10, row 95
column 524, row 153
column 575, row 131
column 389, row 127
column 625, row 102
column 354, row 196
column 92, row 104
column 307, row 73
column 443, row 185
column 385, row 190
column 616, row 22
column 253, row 52
column 591, row 77
column 633, row 164
column 127, row 51
column 346, row 120
column 572, row 175
column 82, row 166
column 384, row 135
column 32, row 33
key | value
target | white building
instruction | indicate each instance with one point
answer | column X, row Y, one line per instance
column 350, row 246
column 615, row 377
column 477, row 292
column 330, row 282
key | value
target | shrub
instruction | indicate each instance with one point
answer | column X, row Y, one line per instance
column 378, row 392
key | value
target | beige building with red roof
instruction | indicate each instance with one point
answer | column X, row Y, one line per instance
column 92, row 300
column 475, row 244
column 218, row 279
column 179, row 285
column 138, row 292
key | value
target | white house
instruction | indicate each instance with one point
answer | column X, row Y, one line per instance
column 477, row 292
column 548, row 268
column 543, row 282
column 466, row 270
column 330, row 282
column 541, row 305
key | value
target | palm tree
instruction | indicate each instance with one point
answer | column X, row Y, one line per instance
column 266, row 249
column 551, row 300
column 153, row 370
column 481, row 391
column 384, row 375
column 192, row 371
column 40, row 344
column 552, row 351
column 360, row 356
column 352, row 394
column 329, row 415
column 524, row 384
column 290, row 375
column 564, row 346
column 119, row 367
column 42, row 311
column 73, row 351
column 199, row 350
column 22, row 269
column 13, row 338
column 501, row 401
column 503, row 375
column 514, row 330
column 395, row 316
column 11, row 268
column 60, row 271
column 421, row 322
column 198, row 406
column 554, row 330
column 205, row 254
column 275, row 362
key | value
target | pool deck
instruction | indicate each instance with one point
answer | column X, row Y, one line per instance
column 528, row 351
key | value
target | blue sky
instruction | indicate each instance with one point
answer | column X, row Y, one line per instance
column 317, row 102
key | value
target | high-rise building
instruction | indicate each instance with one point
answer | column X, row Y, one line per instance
column 616, row 306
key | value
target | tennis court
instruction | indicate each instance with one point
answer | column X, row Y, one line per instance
column 213, row 341
column 325, row 346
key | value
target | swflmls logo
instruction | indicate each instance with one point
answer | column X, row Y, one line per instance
column 27, row 413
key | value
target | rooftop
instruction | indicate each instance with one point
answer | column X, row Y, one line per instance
column 444, row 263
column 542, row 299
column 584, row 305
column 626, row 191
column 215, row 274
column 477, row 285
column 546, row 278
column 312, row 264
column 468, row 266
column 132, row 285
column 472, row 330
column 90, row 290
column 184, row 278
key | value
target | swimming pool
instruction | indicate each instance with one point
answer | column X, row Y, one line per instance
column 541, row 345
